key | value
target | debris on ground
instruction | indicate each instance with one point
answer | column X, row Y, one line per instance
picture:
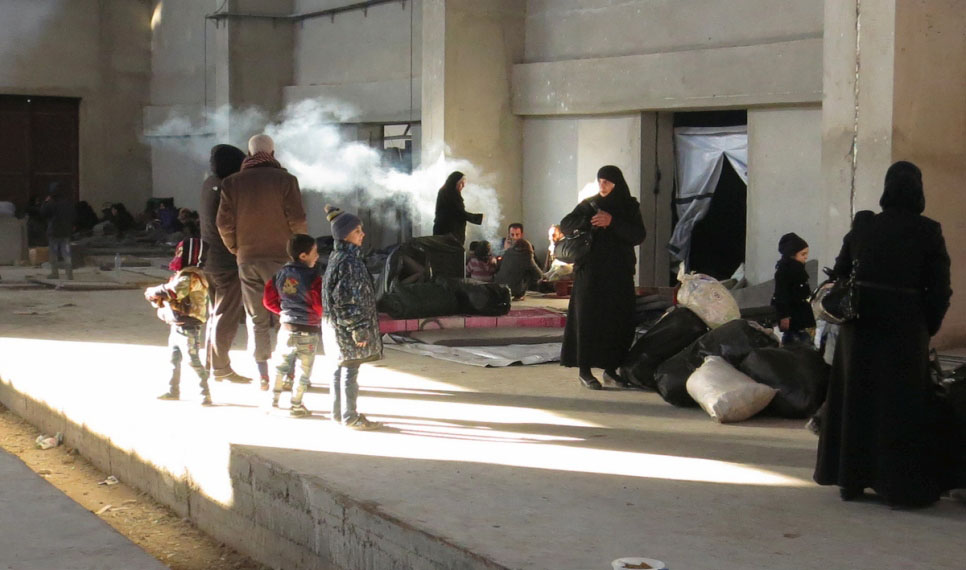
column 45, row 441
column 111, row 480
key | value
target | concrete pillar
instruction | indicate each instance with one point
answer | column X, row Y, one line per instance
column 929, row 126
column 894, row 79
column 657, row 189
column 253, row 62
column 469, row 48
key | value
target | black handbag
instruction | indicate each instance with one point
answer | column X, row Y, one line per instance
column 573, row 248
column 839, row 302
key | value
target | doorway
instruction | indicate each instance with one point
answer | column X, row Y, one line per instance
column 711, row 189
column 38, row 146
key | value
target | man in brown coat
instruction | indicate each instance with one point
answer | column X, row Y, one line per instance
column 261, row 206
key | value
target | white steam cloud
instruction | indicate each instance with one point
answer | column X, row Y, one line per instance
column 310, row 142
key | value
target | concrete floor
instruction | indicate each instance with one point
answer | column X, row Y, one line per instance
column 518, row 466
column 44, row 529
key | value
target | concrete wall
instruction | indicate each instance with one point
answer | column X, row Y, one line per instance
column 97, row 51
column 668, row 54
column 929, row 126
column 563, row 156
column 249, row 63
column 180, row 82
column 375, row 80
column 581, row 29
column 469, row 49
column 784, row 187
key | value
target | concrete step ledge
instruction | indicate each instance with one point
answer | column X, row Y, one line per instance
column 279, row 517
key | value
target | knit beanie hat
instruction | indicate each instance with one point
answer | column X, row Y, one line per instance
column 790, row 244
column 342, row 222
column 190, row 253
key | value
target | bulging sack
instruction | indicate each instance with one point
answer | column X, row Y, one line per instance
column 708, row 298
column 799, row 374
column 733, row 341
column 677, row 329
column 726, row 394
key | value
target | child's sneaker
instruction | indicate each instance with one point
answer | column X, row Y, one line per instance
column 206, row 401
column 170, row 396
column 362, row 423
column 299, row 411
column 263, row 384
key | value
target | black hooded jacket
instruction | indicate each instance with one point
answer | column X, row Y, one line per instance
column 225, row 161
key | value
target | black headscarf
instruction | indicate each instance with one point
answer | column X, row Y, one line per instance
column 903, row 188
column 225, row 160
column 451, row 181
column 620, row 196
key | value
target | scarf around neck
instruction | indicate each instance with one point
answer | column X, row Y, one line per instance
column 260, row 159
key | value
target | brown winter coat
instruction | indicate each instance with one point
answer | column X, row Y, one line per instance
column 260, row 208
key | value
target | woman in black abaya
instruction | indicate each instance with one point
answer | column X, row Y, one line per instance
column 881, row 428
column 599, row 327
column 451, row 214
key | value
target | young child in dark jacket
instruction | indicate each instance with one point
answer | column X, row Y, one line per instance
column 295, row 293
column 792, row 291
column 350, row 327
column 182, row 302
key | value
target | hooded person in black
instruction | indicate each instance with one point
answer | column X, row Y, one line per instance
column 792, row 291
column 220, row 267
column 451, row 214
column 599, row 328
column 881, row 428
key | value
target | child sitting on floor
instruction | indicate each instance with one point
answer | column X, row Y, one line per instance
column 295, row 293
column 482, row 264
column 182, row 303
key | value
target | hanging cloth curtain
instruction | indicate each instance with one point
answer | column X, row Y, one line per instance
column 700, row 154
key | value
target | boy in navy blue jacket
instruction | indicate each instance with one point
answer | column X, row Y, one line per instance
column 295, row 293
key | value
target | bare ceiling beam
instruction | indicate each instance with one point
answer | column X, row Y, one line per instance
column 330, row 13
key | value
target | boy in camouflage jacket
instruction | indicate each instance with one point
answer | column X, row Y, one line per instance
column 182, row 303
column 350, row 325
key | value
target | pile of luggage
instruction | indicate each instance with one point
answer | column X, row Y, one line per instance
column 701, row 353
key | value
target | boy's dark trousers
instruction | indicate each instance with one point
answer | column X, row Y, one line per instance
column 186, row 340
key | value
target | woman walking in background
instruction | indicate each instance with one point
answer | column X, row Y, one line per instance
column 882, row 427
column 599, row 329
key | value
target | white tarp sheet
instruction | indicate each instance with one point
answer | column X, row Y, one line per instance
column 495, row 356
column 700, row 154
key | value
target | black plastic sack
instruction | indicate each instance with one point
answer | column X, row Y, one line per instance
column 799, row 374
column 677, row 329
column 443, row 254
column 486, row 299
column 671, row 379
column 419, row 300
column 732, row 341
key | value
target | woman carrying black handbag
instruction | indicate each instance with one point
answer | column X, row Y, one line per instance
column 599, row 328
column 880, row 428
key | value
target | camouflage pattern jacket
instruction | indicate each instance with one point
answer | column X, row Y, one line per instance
column 183, row 300
column 349, row 308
